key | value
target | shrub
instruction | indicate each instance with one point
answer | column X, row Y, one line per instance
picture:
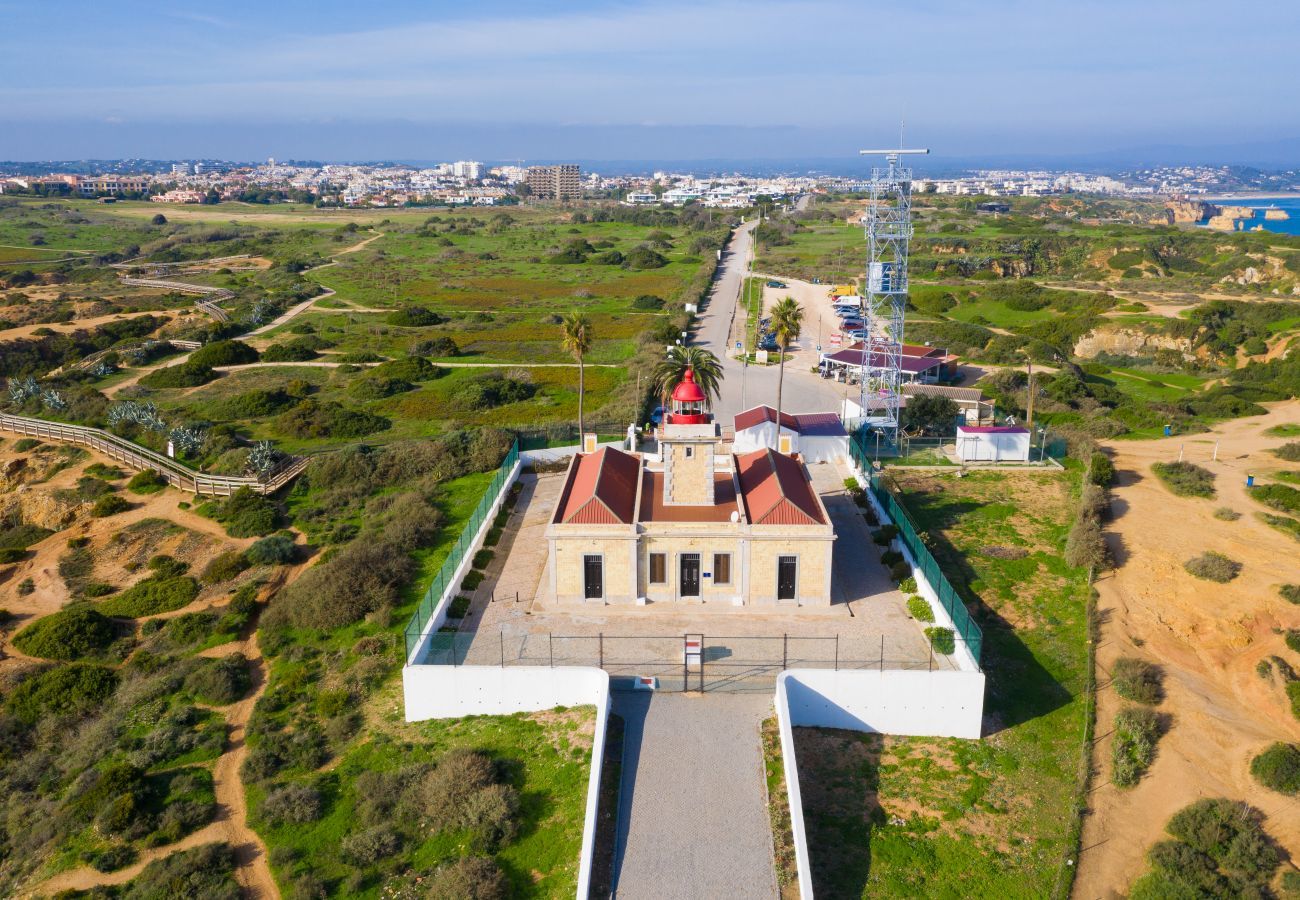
column 1134, row 743
column 158, row 593
column 187, row 374
column 291, row 351
column 648, row 301
column 1213, row 566
column 1101, row 470
column 220, row 681
column 26, row 587
column 1226, row 514
column 73, row 690
column 292, row 804
column 313, row 418
column 273, row 550
column 118, row 856
column 1137, row 680
column 410, row 368
column 1185, row 479
column 361, row 577
column 908, row 585
column 414, row 317
column 440, row 346
column 72, row 633
column 109, row 505
column 25, row 444
column 884, row 535
column 463, row 793
column 11, row 555
column 1290, row 451
column 372, row 845
column 146, row 482
column 889, row 557
column 206, row 871
column 900, row 572
column 1293, row 639
column 470, row 878
column 1290, row 592
column 1281, row 497
column 920, row 608
column 1278, row 768
column 98, row 589
column 245, row 513
column 471, row 582
column 492, row 389
column 942, row 640
column 482, row 558
column 644, row 258
column 223, row 353
column 224, row 566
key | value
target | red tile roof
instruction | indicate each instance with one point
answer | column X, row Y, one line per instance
column 776, row 490
column 759, row 414
column 803, row 423
column 601, row 489
column 653, row 508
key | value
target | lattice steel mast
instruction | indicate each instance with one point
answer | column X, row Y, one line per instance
column 889, row 231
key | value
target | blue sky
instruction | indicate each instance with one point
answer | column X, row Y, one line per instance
column 635, row 80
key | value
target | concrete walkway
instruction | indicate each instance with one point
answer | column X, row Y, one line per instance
column 693, row 822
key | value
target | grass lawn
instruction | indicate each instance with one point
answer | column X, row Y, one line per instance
column 832, row 252
column 937, row 817
column 547, row 757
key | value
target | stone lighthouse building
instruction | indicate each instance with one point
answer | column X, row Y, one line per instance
column 692, row 523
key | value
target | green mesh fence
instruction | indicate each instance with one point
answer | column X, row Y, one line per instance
column 967, row 630
column 463, row 547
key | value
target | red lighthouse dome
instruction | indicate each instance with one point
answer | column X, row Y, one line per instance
column 688, row 403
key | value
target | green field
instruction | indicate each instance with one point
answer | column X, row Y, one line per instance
column 925, row 817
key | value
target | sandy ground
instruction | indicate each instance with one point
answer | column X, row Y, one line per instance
column 231, row 822
column 1207, row 637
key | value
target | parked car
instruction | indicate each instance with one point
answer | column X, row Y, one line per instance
column 848, row 312
column 858, row 334
column 776, row 284
column 852, row 322
column 768, row 343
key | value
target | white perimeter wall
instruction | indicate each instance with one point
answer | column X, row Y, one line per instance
column 906, row 702
column 558, row 454
column 449, row 692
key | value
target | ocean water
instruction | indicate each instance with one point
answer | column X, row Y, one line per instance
column 1290, row 204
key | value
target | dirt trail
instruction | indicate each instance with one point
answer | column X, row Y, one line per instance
column 26, row 331
column 1208, row 638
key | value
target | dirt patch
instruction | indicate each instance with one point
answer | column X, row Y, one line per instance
column 1207, row 638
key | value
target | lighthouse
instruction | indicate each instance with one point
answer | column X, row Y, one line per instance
column 689, row 443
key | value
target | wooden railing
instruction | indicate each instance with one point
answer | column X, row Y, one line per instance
column 140, row 458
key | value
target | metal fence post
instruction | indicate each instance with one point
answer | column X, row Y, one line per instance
column 602, row 649
column 837, row 651
column 501, row 635
column 550, row 646
column 882, row 653
column 785, row 650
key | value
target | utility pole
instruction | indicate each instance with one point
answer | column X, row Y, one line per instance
column 1029, row 413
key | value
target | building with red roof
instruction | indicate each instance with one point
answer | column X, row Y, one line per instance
column 694, row 523
column 815, row 437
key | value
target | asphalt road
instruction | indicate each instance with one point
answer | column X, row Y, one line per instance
column 720, row 325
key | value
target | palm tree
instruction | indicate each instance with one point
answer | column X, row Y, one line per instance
column 787, row 322
column 577, row 340
column 672, row 369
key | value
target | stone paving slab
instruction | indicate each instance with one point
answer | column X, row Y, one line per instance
column 694, row 822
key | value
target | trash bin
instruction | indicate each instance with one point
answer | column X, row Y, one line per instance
column 1169, row 429
column 1250, row 481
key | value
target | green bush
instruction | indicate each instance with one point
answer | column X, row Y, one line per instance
column 1220, row 850
column 23, row 536
column 291, row 804
column 648, row 302
column 158, row 593
column 465, row 792
column 246, row 513
column 360, row 578
column 1293, row 639
column 1212, row 566
column 889, row 557
column 146, row 482
column 1101, row 470
column 290, row 351
column 644, row 258
column 274, row 550
column 920, row 608
column 1133, row 745
column 900, row 572
column 25, row 444
column 1290, row 592
column 1289, row 451
column 1278, row 496
column 370, row 387
column 1138, row 680
column 11, row 555
column 471, row 582
column 224, row 567
column 440, row 346
column 187, row 374
column 1185, row 479
column 223, row 353
column 482, row 558
column 313, row 418
column 75, row 632
column 414, row 317
column 1226, row 514
column 884, row 535
column 220, row 681
column 1278, row 768
column 410, row 368
column 492, row 389
column 72, row 690
column 907, row 585
column 470, row 877
column 206, row 871
column 941, row 640
column 109, row 505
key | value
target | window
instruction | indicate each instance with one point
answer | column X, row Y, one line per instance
column 658, row 568
column 690, row 451
column 722, row 568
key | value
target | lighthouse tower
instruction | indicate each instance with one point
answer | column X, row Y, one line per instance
column 689, row 442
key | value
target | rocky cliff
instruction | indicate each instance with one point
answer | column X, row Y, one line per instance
column 1129, row 342
column 1276, row 215
column 45, row 507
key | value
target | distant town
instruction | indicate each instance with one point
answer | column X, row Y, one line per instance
column 475, row 183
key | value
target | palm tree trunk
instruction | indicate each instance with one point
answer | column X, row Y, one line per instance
column 780, row 384
column 581, row 430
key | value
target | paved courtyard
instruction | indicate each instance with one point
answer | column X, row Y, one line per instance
column 866, row 626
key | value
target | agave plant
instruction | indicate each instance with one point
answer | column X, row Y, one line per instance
column 262, row 458
column 23, row 389
column 186, row 439
column 142, row 413
column 260, row 312
column 103, row 368
column 53, row 400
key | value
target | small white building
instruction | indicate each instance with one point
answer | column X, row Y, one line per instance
column 992, row 443
column 816, row 437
